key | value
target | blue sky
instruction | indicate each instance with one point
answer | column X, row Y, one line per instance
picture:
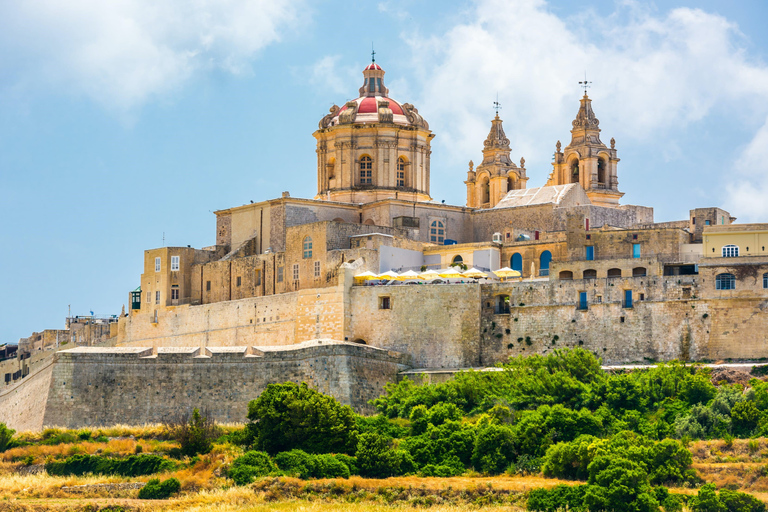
column 121, row 123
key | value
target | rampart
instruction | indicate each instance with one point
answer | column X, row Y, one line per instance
column 100, row 386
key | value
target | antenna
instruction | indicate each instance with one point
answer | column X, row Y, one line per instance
column 497, row 105
column 373, row 53
column 586, row 85
column 163, row 238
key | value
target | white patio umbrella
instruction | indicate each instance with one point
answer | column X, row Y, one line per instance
column 449, row 272
column 429, row 274
column 474, row 273
column 388, row 275
column 408, row 275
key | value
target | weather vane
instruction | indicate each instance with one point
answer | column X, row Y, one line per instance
column 373, row 53
column 496, row 104
column 585, row 84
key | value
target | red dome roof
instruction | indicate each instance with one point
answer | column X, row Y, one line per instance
column 373, row 65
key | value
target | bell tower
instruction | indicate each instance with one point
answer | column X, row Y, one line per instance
column 497, row 174
column 587, row 161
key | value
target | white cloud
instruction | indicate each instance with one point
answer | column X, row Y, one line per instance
column 123, row 52
column 748, row 195
column 654, row 75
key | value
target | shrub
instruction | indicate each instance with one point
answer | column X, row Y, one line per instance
column 304, row 465
column 376, row 459
column 745, row 416
column 288, row 416
column 194, row 433
column 561, row 497
column 349, row 461
column 133, row 465
column 451, row 466
column 6, row 437
column 250, row 465
column 740, row 502
column 706, row 500
column 494, row 449
column 156, row 490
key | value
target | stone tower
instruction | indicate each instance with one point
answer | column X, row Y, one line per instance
column 373, row 148
column 497, row 174
column 587, row 161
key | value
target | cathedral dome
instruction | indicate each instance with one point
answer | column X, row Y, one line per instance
column 374, row 105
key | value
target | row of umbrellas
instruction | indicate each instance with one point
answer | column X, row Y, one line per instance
column 446, row 273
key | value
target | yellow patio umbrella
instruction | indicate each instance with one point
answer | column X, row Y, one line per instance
column 429, row 274
column 449, row 272
column 366, row 276
column 507, row 272
column 474, row 273
column 408, row 275
column 388, row 275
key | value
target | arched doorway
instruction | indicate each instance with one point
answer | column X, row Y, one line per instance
column 516, row 262
column 575, row 171
column 544, row 260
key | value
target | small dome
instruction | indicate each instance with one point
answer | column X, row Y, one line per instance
column 373, row 65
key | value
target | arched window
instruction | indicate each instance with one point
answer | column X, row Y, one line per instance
column 566, row 275
column 575, row 171
column 725, row 282
column 601, row 172
column 614, row 272
column 457, row 259
column 590, row 273
column 307, row 247
column 485, row 190
column 544, row 260
column 437, row 232
column 366, row 170
column 510, row 183
column 730, row 251
column 401, row 172
column 638, row 272
column 516, row 262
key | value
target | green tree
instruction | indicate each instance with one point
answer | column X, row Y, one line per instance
column 6, row 436
column 375, row 457
column 707, row 500
column 288, row 416
column 619, row 484
column 195, row 433
column 494, row 449
column 745, row 416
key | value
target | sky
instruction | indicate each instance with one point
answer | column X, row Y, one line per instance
column 124, row 125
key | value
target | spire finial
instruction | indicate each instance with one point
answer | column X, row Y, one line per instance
column 497, row 105
column 585, row 84
column 373, row 53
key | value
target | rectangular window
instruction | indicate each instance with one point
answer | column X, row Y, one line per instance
column 627, row 298
column 317, row 269
column 239, row 280
column 384, row 303
column 765, row 280
column 635, row 250
column 207, row 286
column 706, row 222
column 642, row 296
column 296, row 272
column 599, row 299
column 582, row 300
column 634, row 236
column 149, row 297
column 257, row 278
column 279, row 274
column 174, row 293
column 590, row 252
column 174, row 263
column 694, row 221
column 157, row 297
column 157, row 264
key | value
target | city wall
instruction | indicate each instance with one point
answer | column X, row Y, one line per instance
column 22, row 405
column 94, row 386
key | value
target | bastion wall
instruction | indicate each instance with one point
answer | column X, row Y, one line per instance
column 131, row 385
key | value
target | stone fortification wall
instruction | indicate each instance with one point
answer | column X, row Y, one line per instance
column 22, row 405
column 438, row 325
column 93, row 386
column 269, row 320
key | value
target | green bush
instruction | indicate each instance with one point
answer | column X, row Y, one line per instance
column 561, row 497
column 156, row 490
column 304, row 465
column 349, row 461
column 6, row 437
column 494, row 449
column 290, row 416
column 194, row 433
column 375, row 458
column 745, row 416
column 451, row 466
column 133, row 465
column 249, row 466
column 740, row 502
